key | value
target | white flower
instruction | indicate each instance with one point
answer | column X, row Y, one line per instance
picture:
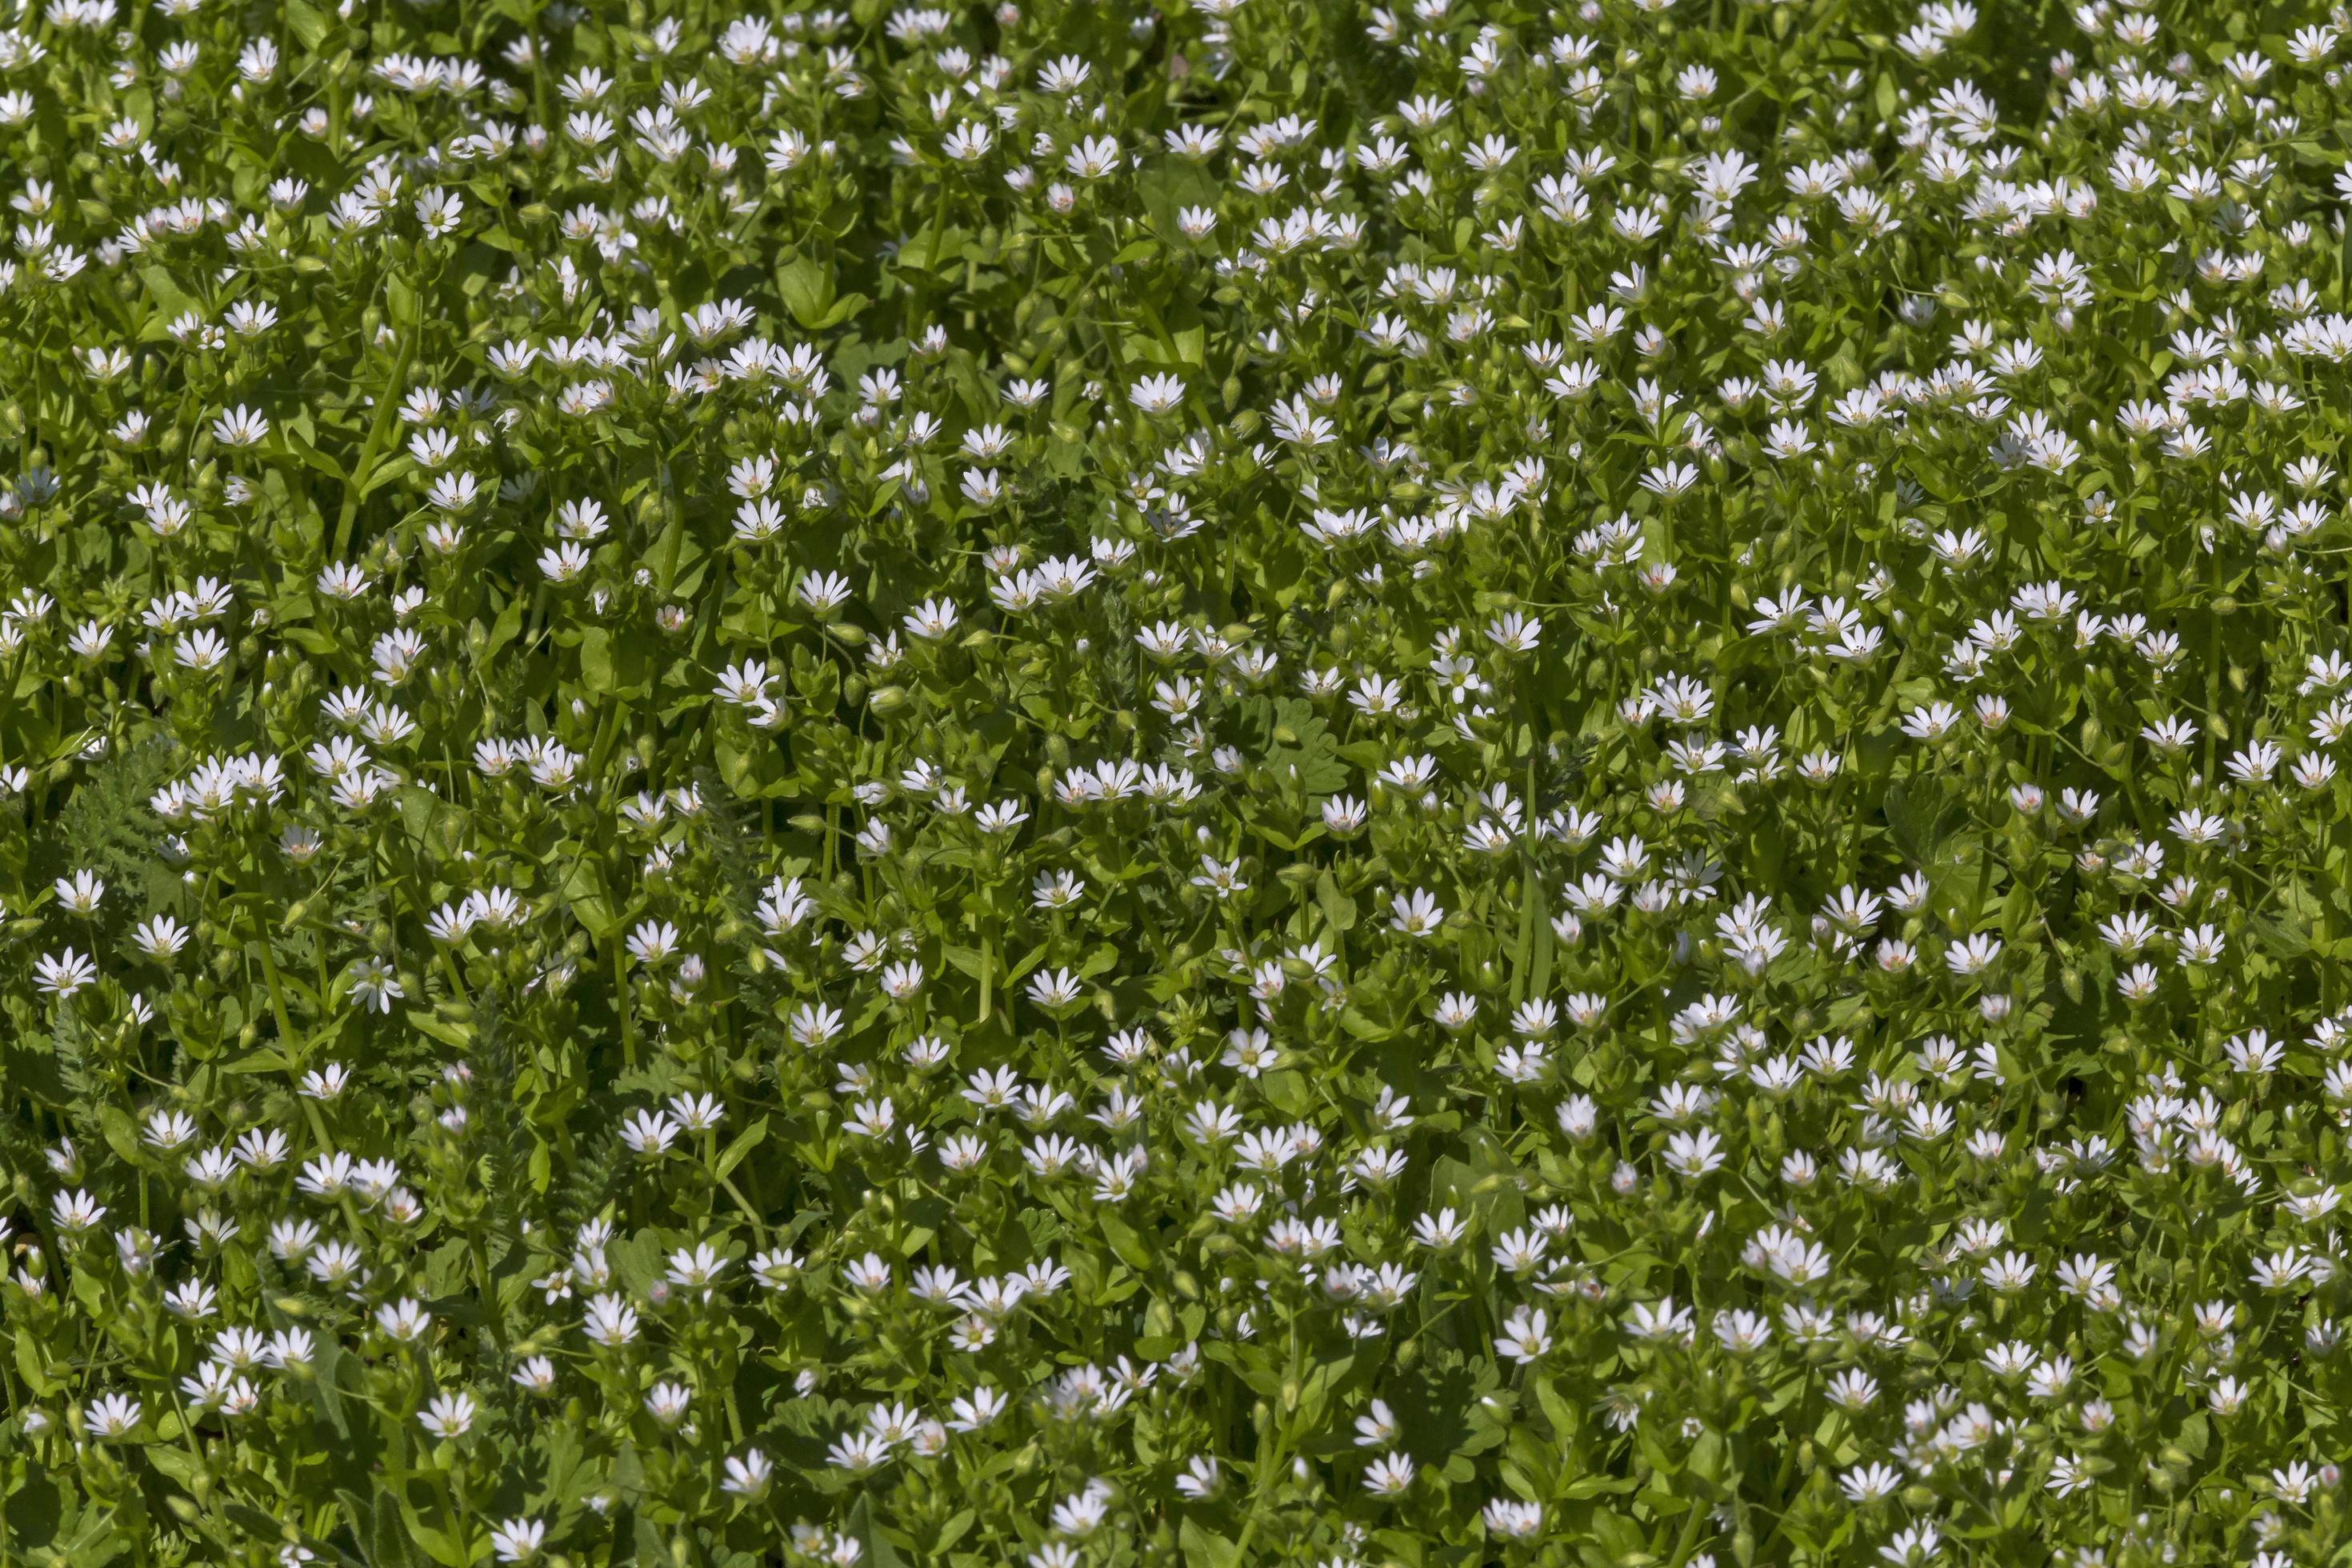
column 449, row 1415
column 241, row 426
column 518, row 1540
column 746, row 1474
column 1157, row 394
column 111, row 1416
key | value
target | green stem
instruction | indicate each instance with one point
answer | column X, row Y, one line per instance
column 378, row 433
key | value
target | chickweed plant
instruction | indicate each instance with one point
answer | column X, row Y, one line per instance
column 1069, row 783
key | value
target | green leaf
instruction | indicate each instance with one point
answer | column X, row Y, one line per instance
column 308, row 23
column 1338, row 906
column 750, row 1138
column 806, row 290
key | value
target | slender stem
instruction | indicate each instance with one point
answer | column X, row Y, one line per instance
column 378, row 433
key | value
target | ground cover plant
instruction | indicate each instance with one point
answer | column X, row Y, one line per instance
column 1260, row 781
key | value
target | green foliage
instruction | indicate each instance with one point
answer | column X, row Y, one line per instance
column 1228, row 783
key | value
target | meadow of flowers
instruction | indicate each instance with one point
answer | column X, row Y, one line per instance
column 1222, row 783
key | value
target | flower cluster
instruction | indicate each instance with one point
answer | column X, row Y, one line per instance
column 1252, row 781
